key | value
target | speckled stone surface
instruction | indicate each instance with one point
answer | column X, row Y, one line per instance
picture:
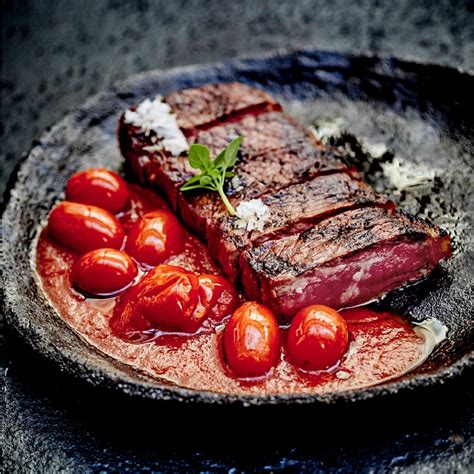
column 56, row 54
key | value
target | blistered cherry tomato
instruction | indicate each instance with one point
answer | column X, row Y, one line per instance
column 103, row 272
column 98, row 187
column 219, row 295
column 154, row 237
column 317, row 338
column 174, row 306
column 83, row 228
column 171, row 299
column 251, row 340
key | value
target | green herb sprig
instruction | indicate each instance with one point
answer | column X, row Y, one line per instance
column 213, row 172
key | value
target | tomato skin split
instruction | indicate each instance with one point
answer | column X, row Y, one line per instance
column 170, row 299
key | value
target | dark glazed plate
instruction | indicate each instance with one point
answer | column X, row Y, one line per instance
column 419, row 111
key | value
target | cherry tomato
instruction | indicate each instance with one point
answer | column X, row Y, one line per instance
column 317, row 338
column 171, row 299
column 219, row 295
column 103, row 272
column 83, row 228
column 128, row 317
column 154, row 237
column 251, row 340
column 98, row 187
column 176, row 306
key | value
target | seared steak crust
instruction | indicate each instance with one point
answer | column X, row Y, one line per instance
column 300, row 269
column 260, row 175
column 261, row 133
column 336, row 237
column 293, row 209
column 206, row 106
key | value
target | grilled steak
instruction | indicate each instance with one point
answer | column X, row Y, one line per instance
column 206, row 106
column 343, row 261
column 259, row 175
column 262, row 133
column 260, row 169
column 293, row 209
column 329, row 239
column 194, row 109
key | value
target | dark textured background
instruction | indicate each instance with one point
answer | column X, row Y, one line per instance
column 57, row 53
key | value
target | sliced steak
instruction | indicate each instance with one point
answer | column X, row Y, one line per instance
column 261, row 133
column 206, row 106
column 258, row 175
column 343, row 261
column 293, row 209
column 158, row 169
column 276, row 152
column 330, row 239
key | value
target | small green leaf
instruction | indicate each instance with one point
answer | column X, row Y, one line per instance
column 205, row 180
column 231, row 152
column 185, row 187
column 213, row 173
column 199, row 157
column 194, row 179
column 219, row 161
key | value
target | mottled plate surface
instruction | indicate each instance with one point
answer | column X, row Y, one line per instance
column 419, row 112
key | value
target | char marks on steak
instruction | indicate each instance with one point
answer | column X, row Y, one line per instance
column 293, row 209
column 330, row 239
column 206, row 106
column 262, row 133
column 258, row 175
column 343, row 261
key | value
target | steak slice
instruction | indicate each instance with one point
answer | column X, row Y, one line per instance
column 255, row 176
column 343, row 261
column 262, row 133
column 292, row 209
column 206, row 106
column 158, row 169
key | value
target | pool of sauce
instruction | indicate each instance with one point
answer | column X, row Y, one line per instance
column 382, row 346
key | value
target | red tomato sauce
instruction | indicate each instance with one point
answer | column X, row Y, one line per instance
column 382, row 345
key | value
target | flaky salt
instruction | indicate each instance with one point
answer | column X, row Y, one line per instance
column 253, row 215
column 156, row 116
